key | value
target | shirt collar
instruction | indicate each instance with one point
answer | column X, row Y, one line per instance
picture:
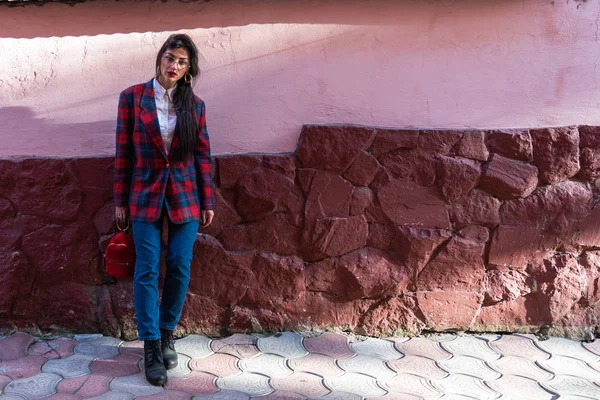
column 160, row 91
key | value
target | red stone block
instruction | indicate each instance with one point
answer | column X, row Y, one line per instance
column 556, row 153
column 370, row 273
column 505, row 285
column 392, row 317
column 333, row 237
column 274, row 278
column 414, row 246
column 362, row 197
column 449, row 310
column 457, row 177
column 17, row 277
column 276, row 233
column 476, row 208
column 458, row 266
column 216, row 274
column 363, row 170
column 511, row 143
column 329, row 196
column 416, row 165
column 472, row 145
column 329, row 148
column 283, row 163
column 261, row 191
column 508, row 179
column 516, row 246
column 438, row 141
column 387, row 140
column 406, row 203
column 232, row 168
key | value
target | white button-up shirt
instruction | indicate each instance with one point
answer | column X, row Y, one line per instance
column 167, row 119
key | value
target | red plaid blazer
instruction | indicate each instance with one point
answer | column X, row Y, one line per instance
column 145, row 176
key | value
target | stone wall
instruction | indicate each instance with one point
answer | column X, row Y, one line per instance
column 376, row 231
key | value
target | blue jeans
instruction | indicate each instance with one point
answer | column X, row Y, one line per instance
column 149, row 313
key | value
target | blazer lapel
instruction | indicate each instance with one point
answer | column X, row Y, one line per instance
column 149, row 117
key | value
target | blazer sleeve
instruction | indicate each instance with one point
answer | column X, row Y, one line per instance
column 203, row 163
column 124, row 151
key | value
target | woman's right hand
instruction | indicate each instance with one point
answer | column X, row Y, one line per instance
column 121, row 213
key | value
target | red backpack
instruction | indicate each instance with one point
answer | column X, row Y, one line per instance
column 119, row 257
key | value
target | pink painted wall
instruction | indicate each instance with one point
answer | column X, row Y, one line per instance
column 271, row 66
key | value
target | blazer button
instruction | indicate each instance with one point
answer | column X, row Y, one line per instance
column 168, row 165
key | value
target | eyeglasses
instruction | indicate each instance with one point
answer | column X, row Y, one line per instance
column 180, row 63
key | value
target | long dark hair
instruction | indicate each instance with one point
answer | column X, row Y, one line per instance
column 184, row 99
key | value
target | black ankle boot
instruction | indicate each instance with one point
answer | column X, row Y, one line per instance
column 167, row 345
column 154, row 367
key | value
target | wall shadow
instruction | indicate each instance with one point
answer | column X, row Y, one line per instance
column 24, row 135
column 57, row 19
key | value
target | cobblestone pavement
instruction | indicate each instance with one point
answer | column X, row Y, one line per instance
column 292, row 366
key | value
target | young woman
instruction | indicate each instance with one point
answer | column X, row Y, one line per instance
column 163, row 169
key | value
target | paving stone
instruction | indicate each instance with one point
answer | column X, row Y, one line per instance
column 12, row 397
column 355, row 383
column 330, row 344
column 339, row 396
column 134, row 384
column 4, row 380
column 119, row 365
column 270, row 365
column 225, row 395
column 318, row 364
column 62, row 396
column 371, row 366
column 133, row 347
column 410, row 384
column 519, row 387
column 57, row 348
column 40, row 385
column 419, row 366
column 467, row 386
column 71, row 385
column 470, row 346
column 114, row 396
column 87, row 337
column 594, row 346
column 397, row 396
column 423, row 347
column 217, row 364
column 286, row 344
column 196, row 383
column 23, row 367
column 524, row 367
column 568, row 348
column 15, row 346
column 103, row 347
column 94, row 385
column 308, row 385
column 182, row 368
column 282, row 395
column 450, row 396
column 571, row 397
column 70, row 367
column 246, row 382
column 442, row 337
column 237, row 345
column 561, row 365
column 520, row 346
column 468, row 366
column 488, row 337
column 570, row 385
column 382, row 349
column 194, row 346
column 166, row 395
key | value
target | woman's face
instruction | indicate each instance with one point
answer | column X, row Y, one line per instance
column 174, row 64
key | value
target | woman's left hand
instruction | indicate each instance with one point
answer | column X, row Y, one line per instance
column 206, row 217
